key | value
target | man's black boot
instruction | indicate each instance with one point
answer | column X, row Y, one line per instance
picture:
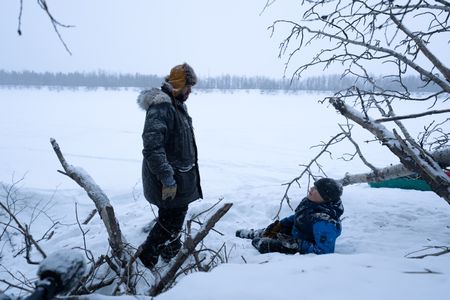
column 170, row 250
column 148, row 255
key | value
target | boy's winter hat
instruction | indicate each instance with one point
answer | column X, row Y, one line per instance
column 329, row 189
column 181, row 75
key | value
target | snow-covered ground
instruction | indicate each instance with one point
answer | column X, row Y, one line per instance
column 250, row 143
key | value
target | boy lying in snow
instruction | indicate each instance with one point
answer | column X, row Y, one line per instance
column 312, row 229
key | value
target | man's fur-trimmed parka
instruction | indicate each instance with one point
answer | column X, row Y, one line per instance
column 169, row 148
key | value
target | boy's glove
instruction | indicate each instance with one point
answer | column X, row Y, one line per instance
column 169, row 188
column 266, row 245
column 273, row 229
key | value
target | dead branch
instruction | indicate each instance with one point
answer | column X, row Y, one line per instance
column 422, row 47
column 426, row 271
column 267, row 5
column 363, row 34
column 187, row 249
column 28, row 237
column 358, row 149
column 375, row 48
column 55, row 23
column 442, row 157
column 413, row 116
column 121, row 261
column 336, row 139
column 9, row 284
column 88, row 254
column 444, row 250
column 90, row 216
column 100, row 199
column 23, row 281
column 427, row 168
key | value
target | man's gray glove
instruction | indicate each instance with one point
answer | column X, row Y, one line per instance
column 169, row 188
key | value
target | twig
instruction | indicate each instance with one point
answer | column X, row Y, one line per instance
column 444, row 251
column 268, row 3
column 55, row 23
column 338, row 137
column 16, row 286
column 358, row 150
column 427, row 271
column 413, row 116
column 90, row 216
column 24, row 231
column 89, row 255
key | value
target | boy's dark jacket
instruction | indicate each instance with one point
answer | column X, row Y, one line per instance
column 315, row 226
column 169, row 148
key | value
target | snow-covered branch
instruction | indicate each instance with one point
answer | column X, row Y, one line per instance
column 414, row 159
column 413, row 116
column 187, row 249
column 442, row 157
column 100, row 199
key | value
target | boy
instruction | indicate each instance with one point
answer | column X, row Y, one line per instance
column 313, row 228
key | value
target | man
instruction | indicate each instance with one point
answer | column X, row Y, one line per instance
column 313, row 228
column 170, row 174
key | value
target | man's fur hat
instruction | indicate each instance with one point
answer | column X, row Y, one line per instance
column 180, row 76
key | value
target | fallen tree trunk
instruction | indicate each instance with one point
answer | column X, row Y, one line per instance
column 101, row 201
column 120, row 249
column 188, row 249
column 442, row 157
column 410, row 155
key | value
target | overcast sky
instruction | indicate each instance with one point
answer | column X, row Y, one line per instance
column 145, row 36
column 148, row 36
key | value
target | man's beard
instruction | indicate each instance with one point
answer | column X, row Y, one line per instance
column 182, row 97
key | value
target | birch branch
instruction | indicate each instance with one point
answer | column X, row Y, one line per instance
column 442, row 157
column 420, row 44
column 430, row 171
column 444, row 85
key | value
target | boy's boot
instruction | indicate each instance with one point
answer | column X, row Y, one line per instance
column 249, row 233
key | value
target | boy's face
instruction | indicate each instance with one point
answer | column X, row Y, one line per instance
column 314, row 196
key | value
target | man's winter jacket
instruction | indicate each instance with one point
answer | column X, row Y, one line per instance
column 315, row 227
column 169, row 149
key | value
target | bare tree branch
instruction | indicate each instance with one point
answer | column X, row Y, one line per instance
column 444, row 250
column 188, row 248
column 441, row 156
column 434, row 60
column 24, row 231
column 430, row 171
column 413, row 116
column 55, row 23
column 423, row 72
column 100, row 199
column 90, row 216
column 337, row 138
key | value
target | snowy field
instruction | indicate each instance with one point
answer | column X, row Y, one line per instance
column 250, row 143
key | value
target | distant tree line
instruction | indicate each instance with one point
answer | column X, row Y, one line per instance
column 93, row 80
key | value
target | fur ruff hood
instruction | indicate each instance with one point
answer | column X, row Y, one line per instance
column 151, row 97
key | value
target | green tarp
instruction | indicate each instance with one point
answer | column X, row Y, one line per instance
column 408, row 183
